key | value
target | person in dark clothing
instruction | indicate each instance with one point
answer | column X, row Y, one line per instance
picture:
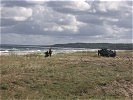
column 46, row 54
column 50, row 52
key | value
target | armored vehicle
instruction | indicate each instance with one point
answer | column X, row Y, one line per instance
column 106, row 52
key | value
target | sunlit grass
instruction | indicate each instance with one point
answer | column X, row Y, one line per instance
column 81, row 75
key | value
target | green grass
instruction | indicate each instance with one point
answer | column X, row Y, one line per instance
column 81, row 75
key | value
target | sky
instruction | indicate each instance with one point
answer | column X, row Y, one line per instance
column 46, row 22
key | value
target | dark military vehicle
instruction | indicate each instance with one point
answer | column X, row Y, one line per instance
column 106, row 53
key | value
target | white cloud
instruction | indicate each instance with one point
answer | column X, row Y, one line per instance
column 48, row 22
column 54, row 21
column 78, row 5
column 16, row 13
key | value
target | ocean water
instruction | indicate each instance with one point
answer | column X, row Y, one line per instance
column 28, row 49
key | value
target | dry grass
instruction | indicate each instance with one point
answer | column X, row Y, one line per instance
column 81, row 75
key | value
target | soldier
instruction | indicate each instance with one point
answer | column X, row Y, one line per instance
column 50, row 52
column 46, row 54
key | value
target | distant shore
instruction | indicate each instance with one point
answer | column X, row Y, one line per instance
column 54, row 51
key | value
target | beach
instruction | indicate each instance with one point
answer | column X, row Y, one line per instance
column 77, row 75
column 41, row 51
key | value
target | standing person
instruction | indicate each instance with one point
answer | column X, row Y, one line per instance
column 50, row 52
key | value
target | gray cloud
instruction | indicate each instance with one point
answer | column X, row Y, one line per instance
column 49, row 22
column 15, row 3
column 8, row 22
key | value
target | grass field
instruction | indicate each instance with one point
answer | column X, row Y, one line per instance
column 74, row 76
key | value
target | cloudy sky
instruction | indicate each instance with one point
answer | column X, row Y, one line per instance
column 51, row 22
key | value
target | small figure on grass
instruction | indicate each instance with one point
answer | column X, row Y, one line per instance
column 48, row 53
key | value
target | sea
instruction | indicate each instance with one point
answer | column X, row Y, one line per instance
column 30, row 49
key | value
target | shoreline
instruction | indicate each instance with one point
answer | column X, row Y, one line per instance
column 43, row 51
column 54, row 52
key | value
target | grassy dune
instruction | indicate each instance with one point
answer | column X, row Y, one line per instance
column 82, row 75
